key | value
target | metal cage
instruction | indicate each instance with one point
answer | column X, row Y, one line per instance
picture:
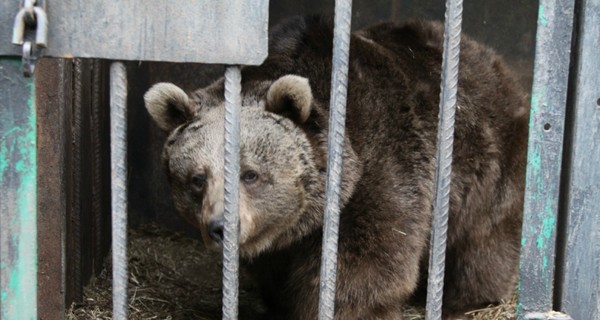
column 561, row 220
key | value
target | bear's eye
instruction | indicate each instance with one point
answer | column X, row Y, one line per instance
column 199, row 180
column 249, row 176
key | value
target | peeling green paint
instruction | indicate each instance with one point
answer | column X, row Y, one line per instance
column 5, row 151
column 544, row 263
column 538, row 101
column 542, row 17
column 548, row 223
column 535, row 166
column 535, row 103
column 18, row 183
column 534, row 163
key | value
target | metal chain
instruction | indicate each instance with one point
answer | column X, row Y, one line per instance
column 449, row 86
column 118, row 164
column 32, row 15
column 231, row 198
column 337, row 119
column 29, row 12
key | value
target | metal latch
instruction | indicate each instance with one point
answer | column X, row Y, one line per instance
column 31, row 32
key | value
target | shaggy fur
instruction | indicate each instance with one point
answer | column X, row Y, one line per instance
column 388, row 174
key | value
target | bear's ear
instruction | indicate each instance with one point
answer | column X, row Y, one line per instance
column 168, row 105
column 290, row 96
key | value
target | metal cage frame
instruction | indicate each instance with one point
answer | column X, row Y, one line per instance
column 556, row 73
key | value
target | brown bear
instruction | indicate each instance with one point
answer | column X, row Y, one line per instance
column 388, row 173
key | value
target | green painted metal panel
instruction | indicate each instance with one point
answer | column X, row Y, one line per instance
column 546, row 130
column 580, row 284
column 18, row 235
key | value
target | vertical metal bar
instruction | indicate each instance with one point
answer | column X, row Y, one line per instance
column 581, row 299
column 18, row 197
column 118, row 166
column 449, row 87
column 546, row 129
column 335, row 146
column 233, row 86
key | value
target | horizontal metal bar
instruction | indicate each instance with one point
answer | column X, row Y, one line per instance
column 225, row 31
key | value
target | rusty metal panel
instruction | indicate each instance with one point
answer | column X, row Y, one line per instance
column 73, row 175
column 232, row 31
column 53, row 88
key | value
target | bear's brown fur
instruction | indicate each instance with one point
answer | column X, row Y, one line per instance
column 388, row 175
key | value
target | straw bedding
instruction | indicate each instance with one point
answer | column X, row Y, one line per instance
column 172, row 276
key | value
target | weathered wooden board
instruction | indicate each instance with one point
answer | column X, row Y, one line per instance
column 224, row 31
column 580, row 296
column 18, row 245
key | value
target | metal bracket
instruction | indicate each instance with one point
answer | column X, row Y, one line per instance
column 31, row 16
column 232, row 32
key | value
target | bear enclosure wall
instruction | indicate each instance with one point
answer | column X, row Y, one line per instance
column 55, row 126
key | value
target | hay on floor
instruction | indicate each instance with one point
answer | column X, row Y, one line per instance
column 172, row 277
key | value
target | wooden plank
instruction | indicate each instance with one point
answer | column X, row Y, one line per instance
column 546, row 129
column 580, row 296
column 18, row 245
column 225, row 31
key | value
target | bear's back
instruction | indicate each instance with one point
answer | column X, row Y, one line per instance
column 394, row 82
column 392, row 113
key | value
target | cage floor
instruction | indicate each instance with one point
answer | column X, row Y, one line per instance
column 172, row 276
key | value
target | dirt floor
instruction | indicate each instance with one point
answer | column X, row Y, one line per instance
column 172, row 276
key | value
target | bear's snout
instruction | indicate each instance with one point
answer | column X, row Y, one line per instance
column 215, row 229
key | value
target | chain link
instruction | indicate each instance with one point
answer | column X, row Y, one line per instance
column 31, row 16
column 29, row 11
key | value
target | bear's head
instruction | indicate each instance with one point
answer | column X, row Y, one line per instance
column 283, row 151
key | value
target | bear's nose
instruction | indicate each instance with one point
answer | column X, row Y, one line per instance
column 215, row 229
